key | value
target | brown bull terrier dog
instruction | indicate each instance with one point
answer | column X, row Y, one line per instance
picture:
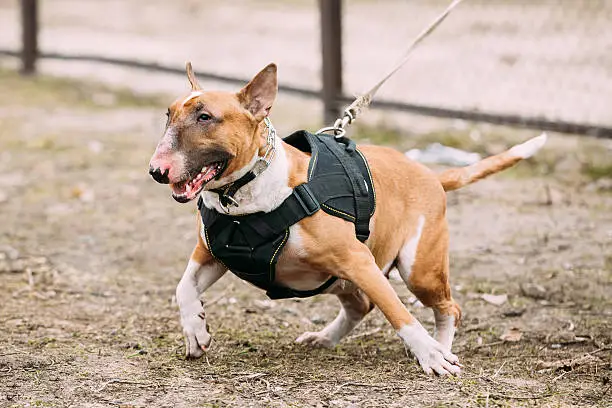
column 213, row 139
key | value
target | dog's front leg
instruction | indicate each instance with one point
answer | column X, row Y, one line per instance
column 200, row 274
column 361, row 269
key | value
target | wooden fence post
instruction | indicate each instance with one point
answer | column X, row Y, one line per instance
column 331, row 52
column 29, row 36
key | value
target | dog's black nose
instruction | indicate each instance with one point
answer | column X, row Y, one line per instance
column 159, row 176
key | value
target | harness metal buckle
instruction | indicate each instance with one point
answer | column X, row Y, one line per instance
column 231, row 202
column 306, row 199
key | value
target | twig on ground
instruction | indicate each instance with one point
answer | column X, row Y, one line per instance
column 479, row 346
column 248, row 376
column 356, row 384
column 603, row 394
column 599, row 350
column 521, row 397
column 512, row 397
column 560, row 376
column 267, row 390
column 364, row 334
column 120, row 381
column 499, row 369
column 571, row 364
column 301, row 383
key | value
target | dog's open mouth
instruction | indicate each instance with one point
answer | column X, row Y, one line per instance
column 187, row 190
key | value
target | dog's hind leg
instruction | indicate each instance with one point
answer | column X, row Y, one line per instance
column 355, row 306
column 427, row 276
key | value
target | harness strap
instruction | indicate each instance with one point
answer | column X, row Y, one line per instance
column 281, row 292
column 300, row 204
column 362, row 200
column 339, row 183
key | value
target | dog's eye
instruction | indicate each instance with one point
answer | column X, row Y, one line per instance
column 204, row 117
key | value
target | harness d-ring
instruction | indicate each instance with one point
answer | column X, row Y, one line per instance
column 338, row 132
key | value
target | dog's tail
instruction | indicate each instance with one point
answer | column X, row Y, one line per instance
column 454, row 179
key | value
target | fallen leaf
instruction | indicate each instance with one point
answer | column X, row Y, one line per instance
column 496, row 300
column 83, row 193
column 533, row 290
column 12, row 180
column 95, row 146
column 264, row 304
column 512, row 334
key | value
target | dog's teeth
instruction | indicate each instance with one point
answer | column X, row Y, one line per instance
column 188, row 188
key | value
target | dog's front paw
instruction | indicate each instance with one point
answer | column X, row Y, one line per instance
column 316, row 339
column 197, row 338
column 431, row 355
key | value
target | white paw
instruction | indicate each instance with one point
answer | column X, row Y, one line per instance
column 317, row 339
column 195, row 331
column 431, row 355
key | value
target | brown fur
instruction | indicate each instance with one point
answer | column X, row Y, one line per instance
column 326, row 245
column 404, row 190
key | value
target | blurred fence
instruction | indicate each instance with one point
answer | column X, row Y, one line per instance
column 543, row 63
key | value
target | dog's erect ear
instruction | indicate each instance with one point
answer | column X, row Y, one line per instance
column 259, row 94
column 195, row 85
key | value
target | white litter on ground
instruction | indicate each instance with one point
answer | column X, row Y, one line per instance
column 437, row 153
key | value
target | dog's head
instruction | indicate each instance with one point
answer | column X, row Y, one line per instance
column 212, row 135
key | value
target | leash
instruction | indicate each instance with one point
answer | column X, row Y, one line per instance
column 227, row 192
column 361, row 102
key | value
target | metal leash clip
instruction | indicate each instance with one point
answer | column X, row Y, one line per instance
column 338, row 128
column 232, row 202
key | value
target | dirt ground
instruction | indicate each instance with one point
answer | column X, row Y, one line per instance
column 91, row 250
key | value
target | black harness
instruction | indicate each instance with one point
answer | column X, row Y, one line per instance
column 339, row 183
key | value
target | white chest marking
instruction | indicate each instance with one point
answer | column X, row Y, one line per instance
column 291, row 268
column 265, row 193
